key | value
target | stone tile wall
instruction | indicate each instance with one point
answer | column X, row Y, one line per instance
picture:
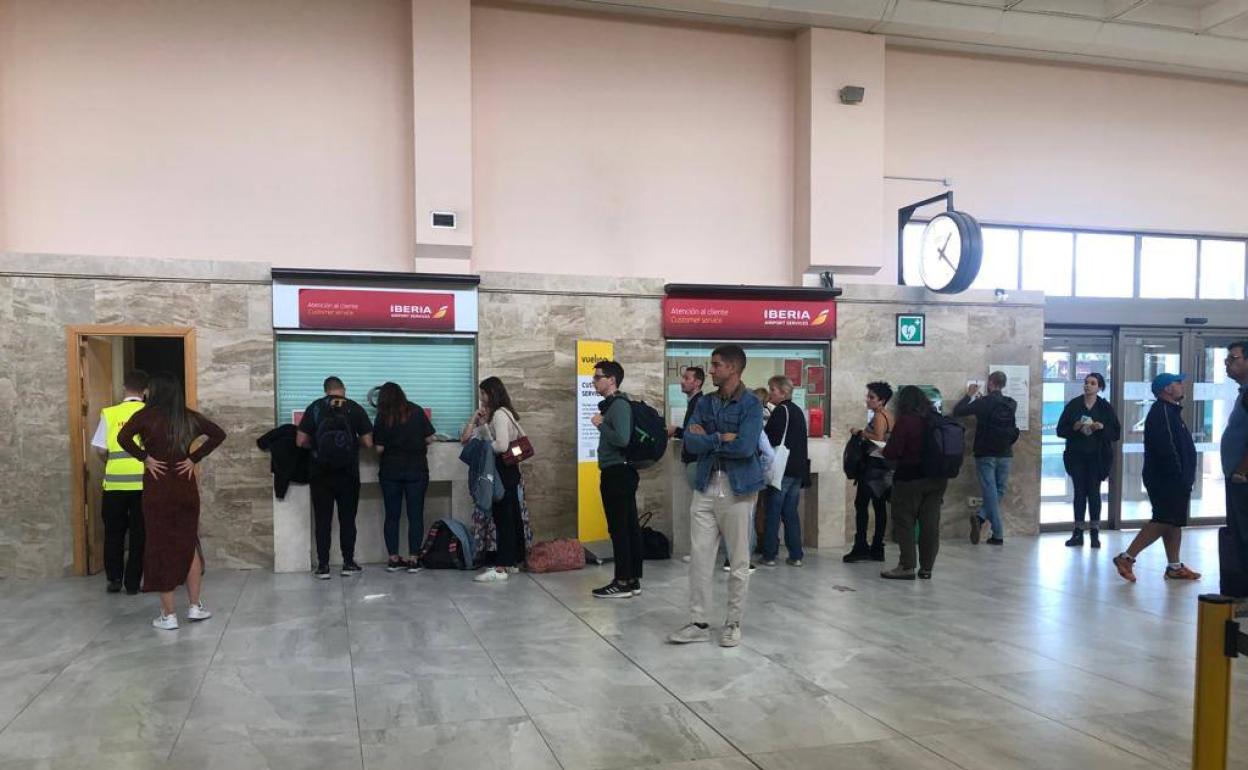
column 965, row 334
column 229, row 305
column 529, row 327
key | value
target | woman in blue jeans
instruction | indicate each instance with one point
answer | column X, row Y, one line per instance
column 402, row 434
column 787, row 426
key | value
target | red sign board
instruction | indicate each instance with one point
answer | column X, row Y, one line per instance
column 698, row 318
column 376, row 310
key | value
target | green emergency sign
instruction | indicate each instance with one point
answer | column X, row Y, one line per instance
column 911, row 330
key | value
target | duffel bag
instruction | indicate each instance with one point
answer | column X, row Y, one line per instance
column 556, row 556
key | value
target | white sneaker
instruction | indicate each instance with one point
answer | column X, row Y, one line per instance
column 690, row 634
column 686, row 558
column 731, row 635
column 197, row 612
column 490, row 575
column 513, row 570
column 166, row 622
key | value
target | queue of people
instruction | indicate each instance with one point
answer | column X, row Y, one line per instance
column 743, row 453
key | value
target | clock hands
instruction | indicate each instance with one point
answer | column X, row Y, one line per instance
column 941, row 250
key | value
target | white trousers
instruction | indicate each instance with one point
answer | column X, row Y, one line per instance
column 714, row 512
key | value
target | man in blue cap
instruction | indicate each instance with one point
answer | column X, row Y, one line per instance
column 1169, row 474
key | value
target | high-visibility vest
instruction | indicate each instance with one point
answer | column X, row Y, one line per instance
column 121, row 472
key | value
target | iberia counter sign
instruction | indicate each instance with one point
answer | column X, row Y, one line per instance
column 726, row 318
column 591, row 521
column 376, row 310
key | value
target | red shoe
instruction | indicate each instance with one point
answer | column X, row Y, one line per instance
column 1182, row 573
column 1125, row 566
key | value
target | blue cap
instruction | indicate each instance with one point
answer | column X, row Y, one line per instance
column 1165, row 380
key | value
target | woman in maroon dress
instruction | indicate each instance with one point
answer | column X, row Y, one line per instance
column 171, row 555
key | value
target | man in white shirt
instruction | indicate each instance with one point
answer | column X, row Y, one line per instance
column 121, row 504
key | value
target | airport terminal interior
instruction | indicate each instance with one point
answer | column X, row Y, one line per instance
column 316, row 318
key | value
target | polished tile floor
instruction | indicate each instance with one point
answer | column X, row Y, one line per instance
column 1027, row 656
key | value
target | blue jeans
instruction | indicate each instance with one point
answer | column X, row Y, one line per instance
column 394, row 487
column 994, row 478
column 782, row 505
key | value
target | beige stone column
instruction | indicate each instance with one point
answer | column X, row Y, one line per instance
column 839, row 154
column 442, row 132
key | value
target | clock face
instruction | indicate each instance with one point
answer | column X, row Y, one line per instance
column 941, row 252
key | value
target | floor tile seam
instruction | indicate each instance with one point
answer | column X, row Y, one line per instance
column 355, row 694
column 1043, row 717
column 207, row 669
column 499, row 673
column 936, row 753
column 729, row 742
column 1072, row 725
column 86, row 645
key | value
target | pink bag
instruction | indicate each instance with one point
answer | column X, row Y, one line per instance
column 556, row 556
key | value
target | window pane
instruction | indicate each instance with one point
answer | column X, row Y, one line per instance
column 1000, row 266
column 911, row 241
column 1047, row 261
column 1104, row 265
column 1167, row 268
column 1222, row 269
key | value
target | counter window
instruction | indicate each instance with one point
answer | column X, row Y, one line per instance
column 806, row 364
column 436, row 372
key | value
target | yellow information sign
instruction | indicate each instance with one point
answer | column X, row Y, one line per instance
column 591, row 522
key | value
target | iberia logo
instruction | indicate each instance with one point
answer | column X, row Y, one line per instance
column 820, row 319
column 442, row 312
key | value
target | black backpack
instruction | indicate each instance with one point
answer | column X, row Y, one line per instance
column 654, row 544
column 999, row 432
column 648, row 441
column 944, row 442
column 442, row 549
column 335, row 438
column 854, row 457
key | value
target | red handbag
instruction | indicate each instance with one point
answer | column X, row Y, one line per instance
column 519, row 450
column 555, row 556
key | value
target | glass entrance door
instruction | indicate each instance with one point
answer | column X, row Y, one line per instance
column 1144, row 356
column 1212, row 396
column 1069, row 357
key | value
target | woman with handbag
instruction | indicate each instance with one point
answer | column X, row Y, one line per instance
column 876, row 479
column 786, row 429
column 1090, row 427
column 496, row 421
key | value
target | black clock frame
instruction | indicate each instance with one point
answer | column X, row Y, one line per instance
column 972, row 255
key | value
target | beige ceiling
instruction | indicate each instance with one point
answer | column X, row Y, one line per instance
column 1207, row 38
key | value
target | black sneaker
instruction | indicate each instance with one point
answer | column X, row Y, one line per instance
column 396, row 565
column 614, row 590
column 635, row 587
column 321, row 572
column 858, row 553
column 995, row 541
column 925, row 574
column 349, row 568
column 877, row 552
column 114, row 587
column 1096, row 538
column 132, row 592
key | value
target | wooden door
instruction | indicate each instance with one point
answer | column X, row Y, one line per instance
column 96, row 369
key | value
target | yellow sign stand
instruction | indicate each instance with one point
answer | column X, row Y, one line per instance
column 591, row 521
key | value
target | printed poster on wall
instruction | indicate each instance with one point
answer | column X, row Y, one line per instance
column 793, row 370
column 1017, row 387
column 591, row 522
column 816, row 380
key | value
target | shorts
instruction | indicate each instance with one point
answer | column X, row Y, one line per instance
column 1170, row 506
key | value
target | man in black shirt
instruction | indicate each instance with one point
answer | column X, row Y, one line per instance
column 996, row 430
column 334, row 428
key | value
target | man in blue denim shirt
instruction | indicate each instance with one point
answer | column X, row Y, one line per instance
column 723, row 435
column 1234, row 461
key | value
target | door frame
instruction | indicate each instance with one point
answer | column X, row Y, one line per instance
column 77, row 457
column 1189, row 343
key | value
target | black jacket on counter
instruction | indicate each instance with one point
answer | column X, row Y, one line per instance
column 287, row 462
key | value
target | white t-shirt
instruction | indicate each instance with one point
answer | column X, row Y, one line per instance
column 500, row 431
column 100, row 439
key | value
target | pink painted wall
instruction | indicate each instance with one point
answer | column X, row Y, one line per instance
column 277, row 130
column 615, row 146
column 1050, row 144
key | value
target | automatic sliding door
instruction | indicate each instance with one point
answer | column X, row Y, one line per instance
column 1144, row 356
column 1068, row 359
